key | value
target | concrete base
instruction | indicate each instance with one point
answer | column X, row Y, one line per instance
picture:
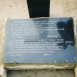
column 41, row 73
column 75, row 71
column 3, row 71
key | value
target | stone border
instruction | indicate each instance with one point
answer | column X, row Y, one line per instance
column 3, row 71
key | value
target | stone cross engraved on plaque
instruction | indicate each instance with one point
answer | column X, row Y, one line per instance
column 41, row 40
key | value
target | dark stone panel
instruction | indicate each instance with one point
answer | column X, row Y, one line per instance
column 38, row 8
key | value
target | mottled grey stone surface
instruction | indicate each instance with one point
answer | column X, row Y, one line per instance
column 41, row 40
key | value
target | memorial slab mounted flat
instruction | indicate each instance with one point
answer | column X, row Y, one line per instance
column 41, row 40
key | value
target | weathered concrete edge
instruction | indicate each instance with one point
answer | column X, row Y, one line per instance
column 40, row 66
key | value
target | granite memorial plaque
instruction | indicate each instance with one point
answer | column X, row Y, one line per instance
column 41, row 40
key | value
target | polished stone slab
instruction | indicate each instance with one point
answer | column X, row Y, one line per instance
column 41, row 40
